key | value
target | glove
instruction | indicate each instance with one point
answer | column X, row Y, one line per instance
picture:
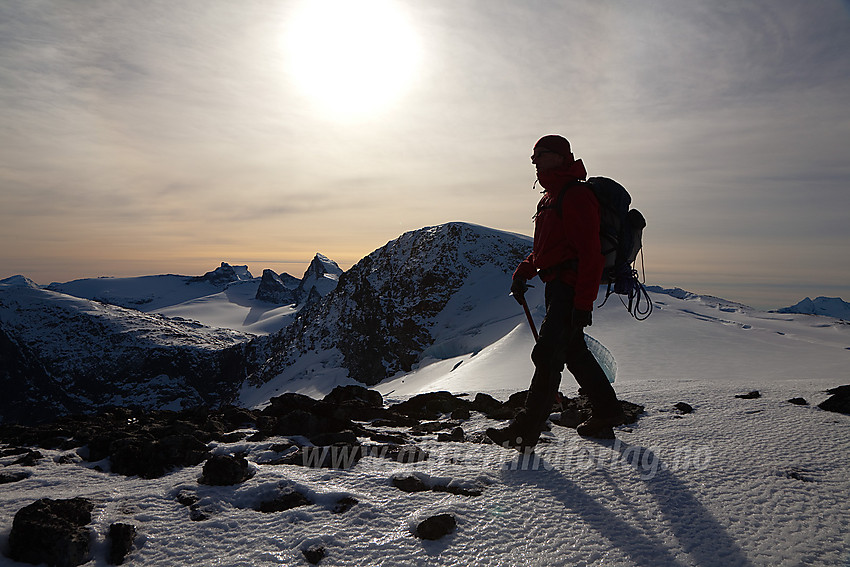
column 582, row 318
column 518, row 289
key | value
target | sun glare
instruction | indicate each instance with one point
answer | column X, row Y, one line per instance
column 352, row 57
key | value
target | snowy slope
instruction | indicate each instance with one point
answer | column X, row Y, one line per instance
column 738, row 482
column 225, row 297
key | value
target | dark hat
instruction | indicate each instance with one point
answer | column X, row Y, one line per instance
column 557, row 144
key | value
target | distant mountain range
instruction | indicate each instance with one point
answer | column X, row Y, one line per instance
column 431, row 294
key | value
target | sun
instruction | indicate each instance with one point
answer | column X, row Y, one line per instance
column 351, row 57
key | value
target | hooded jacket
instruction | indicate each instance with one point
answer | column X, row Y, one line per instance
column 571, row 235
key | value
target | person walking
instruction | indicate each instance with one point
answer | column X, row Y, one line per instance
column 567, row 256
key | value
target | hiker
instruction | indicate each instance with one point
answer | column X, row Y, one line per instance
column 566, row 255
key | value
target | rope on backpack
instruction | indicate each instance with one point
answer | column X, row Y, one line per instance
column 628, row 283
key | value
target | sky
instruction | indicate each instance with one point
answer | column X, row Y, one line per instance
column 166, row 137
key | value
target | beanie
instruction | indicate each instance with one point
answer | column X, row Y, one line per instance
column 557, row 144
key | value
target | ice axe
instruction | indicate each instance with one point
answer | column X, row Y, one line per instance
column 528, row 315
column 559, row 400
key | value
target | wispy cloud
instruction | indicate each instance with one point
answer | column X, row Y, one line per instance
column 149, row 125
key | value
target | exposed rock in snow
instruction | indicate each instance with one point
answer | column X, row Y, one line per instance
column 52, row 532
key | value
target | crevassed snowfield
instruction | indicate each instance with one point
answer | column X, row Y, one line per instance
column 736, row 482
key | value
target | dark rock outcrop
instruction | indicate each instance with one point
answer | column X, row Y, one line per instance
column 286, row 499
column 839, row 401
column 121, row 538
column 755, row 394
column 225, row 470
column 279, row 289
column 52, row 532
column 436, row 527
column 314, row 554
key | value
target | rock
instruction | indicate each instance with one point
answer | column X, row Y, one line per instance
column 197, row 514
column 308, row 423
column 457, row 435
column 459, row 490
column 684, row 407
column 431, row 405
column 344, row 504
column 461, row 414
column 52, row 532
column 121, row 537
column 274, row 289
column 225, row 470
column 314, row 554
column 839, row 402
column 288, row 402
column 436, row 527
column 485, row 403
column 749, row 396
column 286, row 499
column 798, row 401
column 152, row 458
column 29, row 459
column 187, row 497
column 357, row 394
column 409, row 483
column 346, row 437
column 7, row 478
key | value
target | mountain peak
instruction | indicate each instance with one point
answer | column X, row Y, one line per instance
column 226, row 274
column 19, row 281
column 824, row 306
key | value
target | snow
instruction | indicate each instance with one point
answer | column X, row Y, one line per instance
column 736, row 482
column 234, row 308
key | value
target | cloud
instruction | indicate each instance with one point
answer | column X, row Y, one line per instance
column 153, row 125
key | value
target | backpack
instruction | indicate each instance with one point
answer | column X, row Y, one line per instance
column 621, row 239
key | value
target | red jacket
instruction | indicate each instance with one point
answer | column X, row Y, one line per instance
column 571, row 235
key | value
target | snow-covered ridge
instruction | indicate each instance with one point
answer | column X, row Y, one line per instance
column 823, row 306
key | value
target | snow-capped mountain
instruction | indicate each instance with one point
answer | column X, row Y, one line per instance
column 399, row 305
column 65, row 354
column 825, row 306
column 320, row 278
column 19, row 281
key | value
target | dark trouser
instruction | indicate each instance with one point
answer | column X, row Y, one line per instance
column 560, row 344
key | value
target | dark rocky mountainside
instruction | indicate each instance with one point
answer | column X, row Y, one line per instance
column 64, row 355
column 380, row 316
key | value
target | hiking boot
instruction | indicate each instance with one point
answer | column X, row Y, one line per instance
column 511, row 437
column 601, row 426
